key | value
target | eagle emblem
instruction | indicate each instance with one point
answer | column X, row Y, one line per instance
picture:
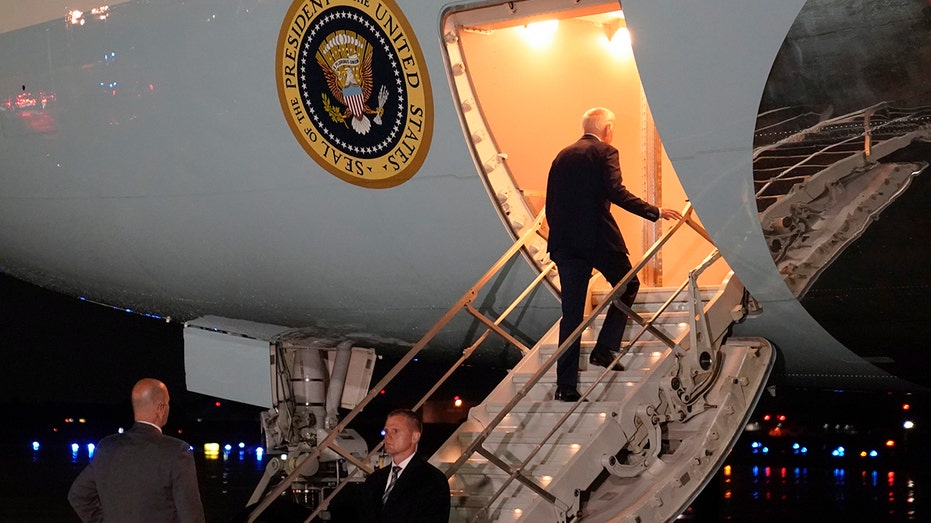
column 346, row 61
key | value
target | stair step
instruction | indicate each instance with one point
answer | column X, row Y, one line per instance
column 499, row 515
column 614, row 386
column 479, row 476
column 657, row 295
column 532, row 416
column 644, row 355
column 480, row 488
column 602, row 392
column 631, row 373
column 534, row 426
column 572, row 457
column 495, row 441
column 642, row 347
column 515, row 453
column 504, row 502
column 541, row 408
column 669, row 318
column 672, row 324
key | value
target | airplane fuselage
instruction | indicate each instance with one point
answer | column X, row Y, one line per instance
column 241, row 160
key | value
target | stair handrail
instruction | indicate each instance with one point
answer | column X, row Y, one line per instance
column 818, row 127
column 466, row 353
column 516, row 472
column 464, row 302
column 479, row 440
column 866, row 136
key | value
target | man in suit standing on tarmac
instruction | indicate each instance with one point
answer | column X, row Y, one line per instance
column 142, row 475
column 410, row 489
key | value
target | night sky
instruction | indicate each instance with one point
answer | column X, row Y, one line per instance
column 65, row 355
column 61, row 349
column 67, row 358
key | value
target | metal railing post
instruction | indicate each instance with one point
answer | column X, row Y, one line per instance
column 463, row 303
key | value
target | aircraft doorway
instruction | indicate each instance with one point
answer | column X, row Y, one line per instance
column 524, row 73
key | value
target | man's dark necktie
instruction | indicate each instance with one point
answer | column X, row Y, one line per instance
column 394, row 477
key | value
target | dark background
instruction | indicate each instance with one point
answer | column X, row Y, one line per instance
column 69, row 359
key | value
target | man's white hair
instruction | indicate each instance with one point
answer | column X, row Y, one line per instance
column 595, row 119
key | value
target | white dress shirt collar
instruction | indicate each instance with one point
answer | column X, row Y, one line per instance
column 150, row 424
column 402, row 464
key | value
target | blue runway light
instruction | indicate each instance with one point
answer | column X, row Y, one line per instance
column 91, row 448
column 227, row 447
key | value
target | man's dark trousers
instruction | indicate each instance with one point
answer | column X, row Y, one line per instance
column 575, row 271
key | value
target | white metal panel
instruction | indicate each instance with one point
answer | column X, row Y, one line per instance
column 229, row 364
column 359, row 377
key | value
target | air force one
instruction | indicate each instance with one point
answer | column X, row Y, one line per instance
column 320, row 181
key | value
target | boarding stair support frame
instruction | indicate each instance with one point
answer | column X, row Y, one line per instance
column 640, row 444
column 790, row 151
column 822, row 181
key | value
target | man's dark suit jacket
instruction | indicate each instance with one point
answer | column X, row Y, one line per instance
column 420, row 495
column 139, row 476
column 584, row 180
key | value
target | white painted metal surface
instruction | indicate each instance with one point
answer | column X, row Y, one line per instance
column 163, row 177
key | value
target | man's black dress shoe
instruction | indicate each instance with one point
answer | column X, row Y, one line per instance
column 603, row 358
column 567, row 394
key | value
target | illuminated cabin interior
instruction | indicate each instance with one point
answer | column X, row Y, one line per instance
column 524, row 73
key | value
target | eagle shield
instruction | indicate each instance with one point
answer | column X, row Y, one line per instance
column 346, row 61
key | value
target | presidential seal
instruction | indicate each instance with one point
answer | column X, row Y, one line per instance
column 354, row 89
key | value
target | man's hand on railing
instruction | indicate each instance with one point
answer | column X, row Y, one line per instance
column 669, row 214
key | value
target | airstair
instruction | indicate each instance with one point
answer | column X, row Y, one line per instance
column 638, row 446
column 641, row 446
column 821, row 181
column 792, row 147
